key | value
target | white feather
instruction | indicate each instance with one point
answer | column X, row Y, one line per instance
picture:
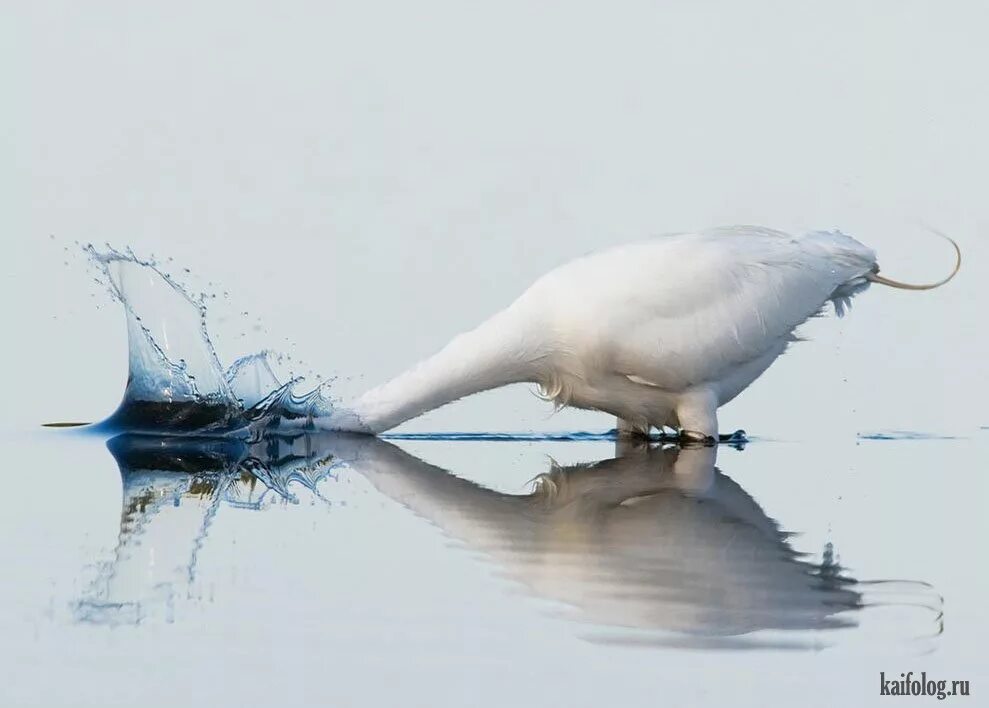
column 657, row 332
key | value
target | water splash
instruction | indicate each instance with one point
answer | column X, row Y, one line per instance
column 175, row 381
column 251, row 378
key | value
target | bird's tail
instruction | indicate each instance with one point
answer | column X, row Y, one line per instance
column 876, row 278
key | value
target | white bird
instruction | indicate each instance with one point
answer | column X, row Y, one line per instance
column 659, row 333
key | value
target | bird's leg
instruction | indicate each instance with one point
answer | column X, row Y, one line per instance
column 697, row 411
column 631, row 437
column 628, row 429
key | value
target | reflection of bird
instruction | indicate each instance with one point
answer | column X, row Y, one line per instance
column 660, row 332
column 657, row 539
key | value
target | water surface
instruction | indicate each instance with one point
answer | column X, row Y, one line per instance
column 339, row 557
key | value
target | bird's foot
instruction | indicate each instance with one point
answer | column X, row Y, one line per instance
column 691, row 437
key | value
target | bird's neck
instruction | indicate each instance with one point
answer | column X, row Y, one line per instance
column 497, row 353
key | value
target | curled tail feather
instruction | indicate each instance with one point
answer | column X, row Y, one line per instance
column 876, row 278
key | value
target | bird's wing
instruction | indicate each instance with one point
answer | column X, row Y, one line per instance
column 684, row 310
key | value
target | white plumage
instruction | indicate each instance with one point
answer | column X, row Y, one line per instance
column 659, row 333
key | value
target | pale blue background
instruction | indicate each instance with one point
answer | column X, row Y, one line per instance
column 369, row 178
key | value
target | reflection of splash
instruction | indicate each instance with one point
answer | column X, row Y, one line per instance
column 173, row 490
